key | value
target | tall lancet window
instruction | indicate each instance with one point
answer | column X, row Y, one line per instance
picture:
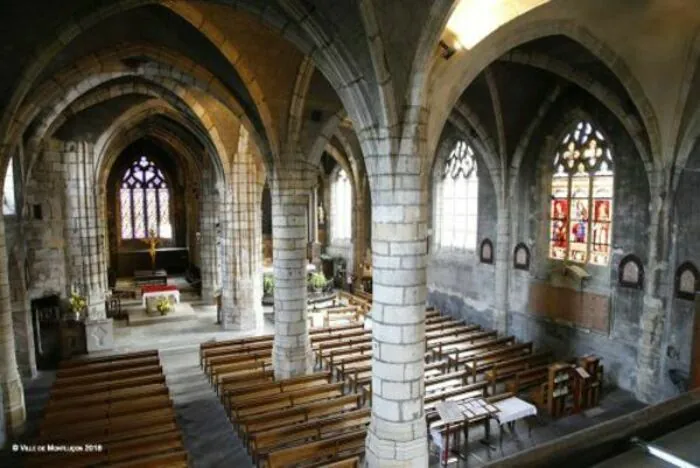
column 8, row 196
column 458, row 202
column 582, row 197
column 144, row 200
column 341, row 208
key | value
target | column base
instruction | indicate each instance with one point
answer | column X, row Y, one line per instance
column 383, row 453
column 293, row 362
column 13, row 408
column 99, row 335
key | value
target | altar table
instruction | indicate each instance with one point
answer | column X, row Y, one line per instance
column 156, row 290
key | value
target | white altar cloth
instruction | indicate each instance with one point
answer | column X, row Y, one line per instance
column 173, row 293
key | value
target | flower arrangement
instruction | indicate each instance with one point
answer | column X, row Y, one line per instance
column 318, row 281
column 77, row 302
column 268, row 284
column 163, row 306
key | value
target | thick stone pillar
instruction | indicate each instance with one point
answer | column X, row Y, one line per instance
column 242, row 290
column 208, row 248
column 290, row 185
column 397, row 435
column 10, row 380
column 360, row 221
column 84, row 235
column 21, row 314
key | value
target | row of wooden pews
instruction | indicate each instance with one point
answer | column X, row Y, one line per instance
column 312, row 420
column 111, row 411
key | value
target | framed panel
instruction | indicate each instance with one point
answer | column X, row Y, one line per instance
column 686, row 281
column 631, row 272
column 486, row 251
column 521, row 257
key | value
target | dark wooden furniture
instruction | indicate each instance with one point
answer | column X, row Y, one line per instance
column 73, row 340
column 142, row 277
column 173, row 259
column 46, row 318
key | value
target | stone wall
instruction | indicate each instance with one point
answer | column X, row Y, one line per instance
column 46, row 269
column 462, row 286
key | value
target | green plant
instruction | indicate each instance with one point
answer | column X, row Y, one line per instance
column 163, row 305
column 317, row 280
column 268, row 284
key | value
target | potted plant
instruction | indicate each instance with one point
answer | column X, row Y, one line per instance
column 317, row 282
column 163, row 306
column 77, row 305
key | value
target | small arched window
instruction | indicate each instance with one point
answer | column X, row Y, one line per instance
column 341, row 207
column 8, row 198
column 582, row 197
column 144, row 201
column 458, row 205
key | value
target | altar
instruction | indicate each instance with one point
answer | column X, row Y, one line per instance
column 156, row 290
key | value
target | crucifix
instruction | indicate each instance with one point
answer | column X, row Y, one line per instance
column 152, row 242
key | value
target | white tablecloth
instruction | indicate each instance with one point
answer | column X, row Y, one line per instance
column 512, row 409
column 160, row 293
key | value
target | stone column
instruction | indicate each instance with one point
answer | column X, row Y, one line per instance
column 290, row 185
column 85, row 260
column 359, row 241
column 653, row 317
column 397, row 435
column 10, row 380
column 242, row 289
column 21, row 314
column 502, row 270
column 208, row 249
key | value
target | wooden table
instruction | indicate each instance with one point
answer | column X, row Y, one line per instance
column 511, row 410
column 461, row 413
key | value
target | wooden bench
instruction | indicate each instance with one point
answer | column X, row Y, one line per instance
column 97, row 367
column 107, row 396
column 262, row 389
column 261, row 443
column 461, row 342
column 313, row 451
column 70, row 392
column 239, row 369
column 250, row 405
column 102, row 359
column 525, row 379
column 57, row 418
column 508, row 368
column 121, row 374
column 298, row 414
column 486, row 359
column 464, row 354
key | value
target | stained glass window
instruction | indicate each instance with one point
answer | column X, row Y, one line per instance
column 341, row 207
column 8, row 198
column 458, row 206
column 144, row 201
column 582, row 197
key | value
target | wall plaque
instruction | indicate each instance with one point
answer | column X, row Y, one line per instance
column 631, row 272
column 486, row 251
column 521, row 257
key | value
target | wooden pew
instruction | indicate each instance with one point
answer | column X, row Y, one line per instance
column 57, row 418
column 107, row 396
column 113, row 376
column 313, row 451
column 261, row 443
column 341, row 461
column 249, row 405
column 461, row 342
column 298, row 414
column 70, row 392
column 486, row 359
column 525, row 379
column 508, row 368
column 97, row 367
column 261, row 389
column 465, row 353
column 111, row 358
